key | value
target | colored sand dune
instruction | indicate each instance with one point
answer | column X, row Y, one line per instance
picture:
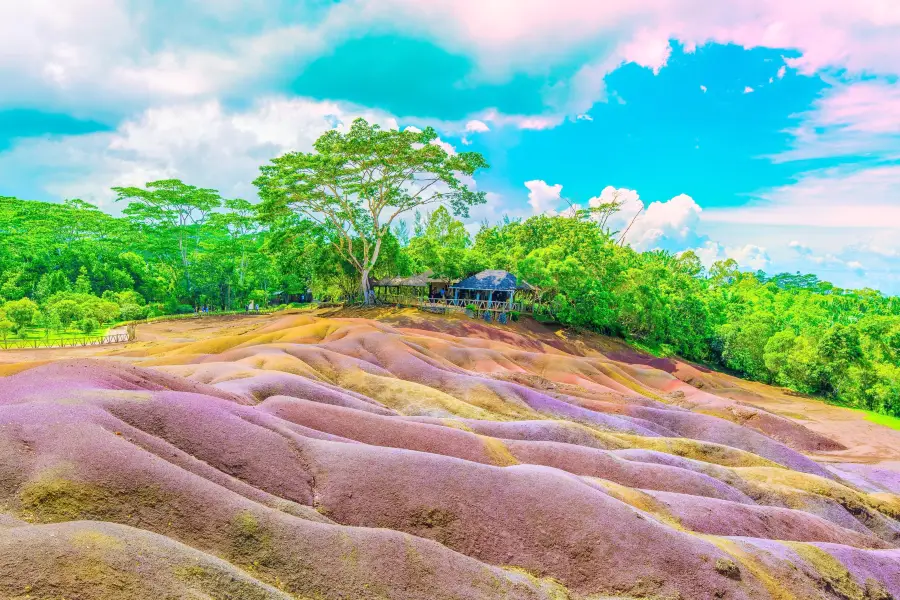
column 419, row 457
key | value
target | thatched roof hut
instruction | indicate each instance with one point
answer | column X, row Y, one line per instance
column 493, row 281
column 420, row 280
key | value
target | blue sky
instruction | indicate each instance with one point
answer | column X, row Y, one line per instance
column 754, row 129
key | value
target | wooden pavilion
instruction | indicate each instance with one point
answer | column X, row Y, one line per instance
column 495, row 291
column 413, row 289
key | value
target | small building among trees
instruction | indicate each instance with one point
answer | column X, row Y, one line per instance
column 494, row 290
column 421, row 287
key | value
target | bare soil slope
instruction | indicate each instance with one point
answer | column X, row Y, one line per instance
column 386, row 454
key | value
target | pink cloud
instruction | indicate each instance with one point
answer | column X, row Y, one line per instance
column 531, row 35
column 871, row 107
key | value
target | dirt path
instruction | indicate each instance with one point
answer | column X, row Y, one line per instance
column 187, row 330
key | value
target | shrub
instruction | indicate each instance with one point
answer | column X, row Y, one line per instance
column 184, row 309
column 103, row 311
column 471, row 308
column 514, row 315
column 129, row 297
column 5, row 328
column 88, row 326
column 20, row 313
column 132, row 312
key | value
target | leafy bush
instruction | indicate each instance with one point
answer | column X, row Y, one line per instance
column 184, row 309
column 102, row 311
column 6, row 328
column 88, row 326
column 20, row 313
column 133, row 312
column 514, row 315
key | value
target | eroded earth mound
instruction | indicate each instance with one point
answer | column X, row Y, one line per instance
column 420, row 457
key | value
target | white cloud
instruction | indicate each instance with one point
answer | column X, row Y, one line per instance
column 447, row 147
column 543, row 197
column 96, row 51
column 106, row 55
column 534, row 122
column 749, row 256
column 647, row 48
column 748, row 90
column 221, row 149
column 855, row 118
column 826, row 259
column 476, row 126
column 801, row 249
column 703, row 88
column 861, row 37
column 584, row 117
column 836, row 198
column 669, row 225
column 782, row 71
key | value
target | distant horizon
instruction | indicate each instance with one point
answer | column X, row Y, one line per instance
column 758, row 131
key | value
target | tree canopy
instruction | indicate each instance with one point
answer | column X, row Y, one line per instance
column 356, row 184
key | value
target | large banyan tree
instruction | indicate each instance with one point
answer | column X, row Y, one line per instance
column 356, row 184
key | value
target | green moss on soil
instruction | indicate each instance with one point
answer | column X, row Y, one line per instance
column 251, row 542
column 219, row 584
column 54, row 496
column 835, row 578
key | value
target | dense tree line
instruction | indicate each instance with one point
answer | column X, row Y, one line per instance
column 350, row 211
column 790, row 330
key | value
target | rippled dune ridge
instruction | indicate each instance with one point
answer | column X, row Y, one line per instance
column 421, row 457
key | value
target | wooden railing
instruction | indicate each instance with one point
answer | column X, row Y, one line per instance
column 455, row 303
column 116, row 338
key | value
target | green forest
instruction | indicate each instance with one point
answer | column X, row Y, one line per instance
column 370, row 203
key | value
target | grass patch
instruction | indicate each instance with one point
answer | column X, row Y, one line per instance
column 880, row 419
column 37, row 333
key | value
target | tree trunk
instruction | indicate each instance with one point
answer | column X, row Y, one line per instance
column 365, row 289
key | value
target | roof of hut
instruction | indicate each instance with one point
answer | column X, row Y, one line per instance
column 493, row 280
column 420, row 280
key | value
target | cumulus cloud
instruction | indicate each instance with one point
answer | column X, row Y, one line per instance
column 95, row 51
column 648, row 49
column 543, row 197
column 748, row 90
column 748, row 256
column 668, row 225
column 703, row 88
column 105, row 55
column 221, row 149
